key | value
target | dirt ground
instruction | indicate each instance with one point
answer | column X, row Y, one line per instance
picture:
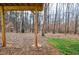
column 21, row 44
column 61, row 35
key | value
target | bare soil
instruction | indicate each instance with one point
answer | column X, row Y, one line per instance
column 21, row 44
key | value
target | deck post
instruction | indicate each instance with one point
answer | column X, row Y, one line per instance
column 3, row 28
column 35, row 28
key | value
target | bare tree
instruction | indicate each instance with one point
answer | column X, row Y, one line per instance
column 55, row 18
column 48, row 16
column 76, row 19
column 22, row 18
column 67, row 19
column 59, row 19
column 44, row 21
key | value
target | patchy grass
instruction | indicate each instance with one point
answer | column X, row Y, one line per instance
column 65, row 45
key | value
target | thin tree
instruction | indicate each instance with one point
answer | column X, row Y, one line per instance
column 22, row 18
column 67, row 19
column 76, row 19
column 55, row 18
column 59, row 18
column 48, row 16
column 44, row 20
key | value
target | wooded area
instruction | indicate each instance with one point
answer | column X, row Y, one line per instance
column 40, row 20
column 55, row 18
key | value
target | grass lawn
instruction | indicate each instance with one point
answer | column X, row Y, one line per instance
column 65, row 45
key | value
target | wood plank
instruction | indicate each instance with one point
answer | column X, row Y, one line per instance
column 3, row 28
column 15, row 7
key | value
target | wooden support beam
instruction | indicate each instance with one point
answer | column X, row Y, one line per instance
column 3, row 28
column 22, row 8
column 35, row 28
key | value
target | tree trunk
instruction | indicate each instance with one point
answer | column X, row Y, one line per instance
column 22, row 18
column 44, row 21
column 76, row 24
column 55, row 18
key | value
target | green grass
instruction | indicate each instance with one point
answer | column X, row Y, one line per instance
column 65, row 45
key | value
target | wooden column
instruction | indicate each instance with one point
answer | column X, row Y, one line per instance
column 3, row 28
column 35, row 29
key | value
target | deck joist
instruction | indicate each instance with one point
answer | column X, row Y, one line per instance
column 21, row 6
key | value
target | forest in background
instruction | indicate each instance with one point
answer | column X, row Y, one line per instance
column 55, row 18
